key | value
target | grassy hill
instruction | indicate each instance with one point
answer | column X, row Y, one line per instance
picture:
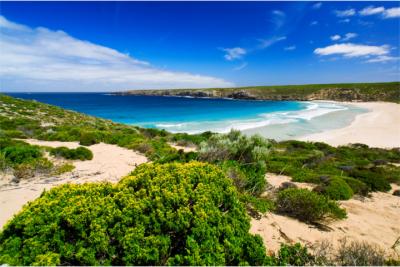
column 388, row 91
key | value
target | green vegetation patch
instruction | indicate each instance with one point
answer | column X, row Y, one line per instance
column 80, row 153
column 362, row 168
column 169, row 214
column 307, row 206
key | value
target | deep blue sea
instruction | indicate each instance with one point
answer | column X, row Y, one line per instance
column 282, row 119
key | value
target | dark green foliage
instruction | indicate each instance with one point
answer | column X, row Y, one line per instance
column 307, row 206
column 80, row 153
column 364, row 169
column 335, row 188
column 294, row 255
column 22, row 154
column 357, row 186
column 170, row 214
column 373, row 179
column 89, row 138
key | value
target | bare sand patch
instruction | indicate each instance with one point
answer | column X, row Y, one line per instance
column 374, row 220
column 110, row 163
column 184, row 148
column 378, row 128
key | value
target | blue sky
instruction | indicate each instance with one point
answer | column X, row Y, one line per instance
column 104, row 46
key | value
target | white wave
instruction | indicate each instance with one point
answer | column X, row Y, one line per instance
column 311, row 111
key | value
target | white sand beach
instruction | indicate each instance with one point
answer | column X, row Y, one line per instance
column 380, row 127
column 110, row 163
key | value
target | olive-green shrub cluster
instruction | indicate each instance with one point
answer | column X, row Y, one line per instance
column 22, row 158
column 307, row 206
column 335, row 188
column 162, row 214
column 358, row 167
column 243, row 158
column 80, row 153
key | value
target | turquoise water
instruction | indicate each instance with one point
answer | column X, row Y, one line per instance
column 272, row 119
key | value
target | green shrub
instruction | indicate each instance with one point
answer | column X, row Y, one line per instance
column 374, row 181
column 308, row 206
column 170, row 214
column 22, row 154
column 336, row 189
column 293, row 255
column 243, row 158
column 357, row 186
column 80, row 153
column 89, row 138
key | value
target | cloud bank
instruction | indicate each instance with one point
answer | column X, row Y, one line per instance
column 348, row 50
column 234, row 53
column 40, row 59
column 386, row 13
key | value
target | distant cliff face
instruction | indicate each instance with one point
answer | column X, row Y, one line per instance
column 345, row 92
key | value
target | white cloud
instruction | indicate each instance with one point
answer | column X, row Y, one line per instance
column 335, row 37
column 392, row 13
column 350, row 50
column 264, row 43
column 349, row 35
column 290, row 48
column 241, row 66
column 386, row 13
column 345, row 13
column 313, row 23
column 278, row 18
column 382, row 59
column 317, row 5
column 41, row 59
column 371, row 10
column 234, row 53
column 344, row 20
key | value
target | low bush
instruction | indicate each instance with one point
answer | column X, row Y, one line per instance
column 63, row 168
column 308, row 206
column 335, row 188
column 19, row 154
column 359, row 254
column 294, row 255
column 373, row 180
column 243, row 158
column 89, row 138
column 169, row 214
column 357, row 186
column 80, row 153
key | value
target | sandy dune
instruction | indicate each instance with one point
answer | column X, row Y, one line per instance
column 109, row 163
column 378, row 128
column 375, row 220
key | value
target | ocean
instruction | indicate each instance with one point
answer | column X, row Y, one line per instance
column 272, row 119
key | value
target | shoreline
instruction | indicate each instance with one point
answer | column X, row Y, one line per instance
column 378, row 127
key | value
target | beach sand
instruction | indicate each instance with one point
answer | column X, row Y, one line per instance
column 110, row 163
column 380, row 127
column 374, row 220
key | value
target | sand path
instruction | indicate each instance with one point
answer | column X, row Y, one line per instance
column 378, row 128
column 110, row 163
column 374, row 220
